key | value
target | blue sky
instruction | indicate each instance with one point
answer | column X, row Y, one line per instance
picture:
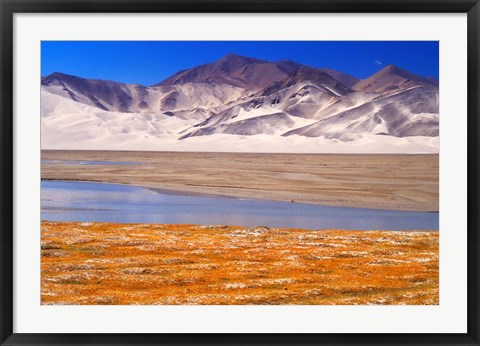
column 149, row 62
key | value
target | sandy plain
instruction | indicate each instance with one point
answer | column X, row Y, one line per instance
column 393, row 182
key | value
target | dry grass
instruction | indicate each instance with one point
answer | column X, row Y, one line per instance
column 104, row 263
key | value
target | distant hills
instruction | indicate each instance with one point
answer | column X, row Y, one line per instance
column 245, row 104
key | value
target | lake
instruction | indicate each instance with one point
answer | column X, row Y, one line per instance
column 102, row 202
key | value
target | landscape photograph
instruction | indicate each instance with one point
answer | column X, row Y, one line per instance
column 239, row 172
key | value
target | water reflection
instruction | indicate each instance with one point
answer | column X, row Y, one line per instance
column 83, row 201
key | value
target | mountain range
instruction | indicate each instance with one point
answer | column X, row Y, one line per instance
column 245, row 104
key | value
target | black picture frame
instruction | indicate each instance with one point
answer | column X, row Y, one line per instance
column 10, row 7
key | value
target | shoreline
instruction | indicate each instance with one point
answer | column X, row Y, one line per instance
column 224, row 226
column 211, row 195
column 372, row 181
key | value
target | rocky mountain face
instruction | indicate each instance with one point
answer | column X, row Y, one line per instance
column 245, row 97
column 392, row 78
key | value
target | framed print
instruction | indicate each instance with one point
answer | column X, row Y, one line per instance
column 239, row 172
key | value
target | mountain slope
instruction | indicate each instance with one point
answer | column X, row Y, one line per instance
column 342, row 114
column 392, row 78
column 119, row 97
column 106, row 95
column 249, row 104
column 413, row 112
column 243, row 72
column 248, row 73
column 346, row 79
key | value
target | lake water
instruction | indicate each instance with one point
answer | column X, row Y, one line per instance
column 84, row 201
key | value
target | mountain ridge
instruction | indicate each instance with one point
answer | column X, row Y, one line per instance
column 391, row 77
column 245, row 98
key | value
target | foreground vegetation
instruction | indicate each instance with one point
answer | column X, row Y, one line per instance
column 105, row 263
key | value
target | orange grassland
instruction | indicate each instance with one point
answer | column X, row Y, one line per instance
column 105, row 263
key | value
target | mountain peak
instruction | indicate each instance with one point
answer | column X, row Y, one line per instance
column 390, row 67
column 56, row 75
column 236, row 70
column 233, row 61
column 394, row 69
column 288, row 61
column 233, row 56
column 391, row 78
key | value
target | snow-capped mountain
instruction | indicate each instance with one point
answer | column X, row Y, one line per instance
column 245, row 104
